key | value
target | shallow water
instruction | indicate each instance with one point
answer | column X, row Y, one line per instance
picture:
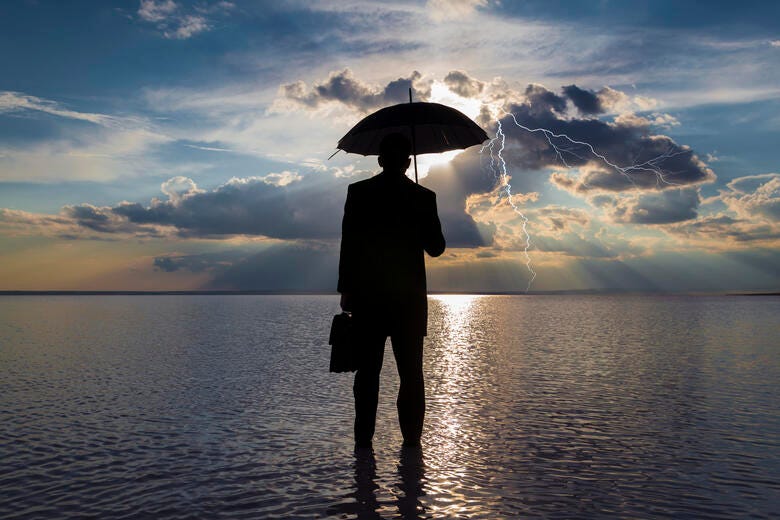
column 538, row 406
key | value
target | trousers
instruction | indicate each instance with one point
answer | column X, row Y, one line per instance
column 407, row 350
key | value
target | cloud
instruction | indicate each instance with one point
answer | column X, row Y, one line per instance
column 17, row 101
column 450, row 9
column 454, row 183
column 102, row 220
column 342, row 87
column 278, row 205
column 754, row 201
column 187, row 27
column 775, row 43
column 175, row 22
column 541, row 102
column 722, row 231
column 552, row 229
column 156, row 11
column 81, row 222
column 106, row 148
column 248, row 206
column 625, row 142
column 754, row 196
column 17, row 222
column 283, row 267
column 586, row 101
column 559, row 218
column 179, row 187
column 214, row 263
column 166, row 263
column 657, row 119
column 283, row 205
column 659, row 162
column 589, row 102
column 663, row 207
column 281, row 179
column 463, row 85
column 83, row 154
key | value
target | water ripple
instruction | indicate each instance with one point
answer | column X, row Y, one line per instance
column 543, row 407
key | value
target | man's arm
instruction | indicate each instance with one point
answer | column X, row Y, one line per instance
column 433, row 239
column 347, row 254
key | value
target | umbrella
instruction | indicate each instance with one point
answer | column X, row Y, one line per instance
column 431, row 128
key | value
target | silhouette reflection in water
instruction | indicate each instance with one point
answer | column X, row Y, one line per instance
column 365, row 484
column 411, row 471
column 408, row 490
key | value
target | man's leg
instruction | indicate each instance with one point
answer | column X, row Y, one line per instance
column 366, row 389
column 411, row 396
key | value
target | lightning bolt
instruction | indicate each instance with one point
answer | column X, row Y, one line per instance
column 568, row 147
column 498, row 167
column 652, row 166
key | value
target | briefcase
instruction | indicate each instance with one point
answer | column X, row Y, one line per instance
column 343, row 351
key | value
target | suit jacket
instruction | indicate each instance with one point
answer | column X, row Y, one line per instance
column 389, row 221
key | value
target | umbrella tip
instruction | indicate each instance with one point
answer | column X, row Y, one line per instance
column 334, row 153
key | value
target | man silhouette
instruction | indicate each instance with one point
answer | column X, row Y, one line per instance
column 388, row 222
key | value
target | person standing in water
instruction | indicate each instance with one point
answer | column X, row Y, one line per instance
column 389, row 222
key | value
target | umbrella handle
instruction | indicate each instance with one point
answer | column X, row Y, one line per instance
column 414, row 143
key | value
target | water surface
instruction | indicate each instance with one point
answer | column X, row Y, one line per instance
column 538, row 406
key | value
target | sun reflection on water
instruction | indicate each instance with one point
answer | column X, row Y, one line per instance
column 451, row 435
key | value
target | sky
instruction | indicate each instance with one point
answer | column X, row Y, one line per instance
column 177, row 145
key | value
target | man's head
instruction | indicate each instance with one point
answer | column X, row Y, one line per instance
column 394, row 153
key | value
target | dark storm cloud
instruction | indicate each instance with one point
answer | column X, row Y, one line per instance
column 453, row 183
column 344, row 88
column 541, row 101
column 626, row 141
column 659, row 208
column 214, row 262
column 311, row 208
column 102, row 220
column 296, row 267
column 462, row 84
column 586, row 101
column 89, row 216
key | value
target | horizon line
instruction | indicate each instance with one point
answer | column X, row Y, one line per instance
column 572, row 292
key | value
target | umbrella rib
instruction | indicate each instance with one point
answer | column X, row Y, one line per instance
column 444, row 136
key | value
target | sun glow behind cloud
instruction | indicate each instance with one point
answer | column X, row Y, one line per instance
column 440, row 93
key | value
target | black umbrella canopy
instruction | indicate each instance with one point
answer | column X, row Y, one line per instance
column 432, row 127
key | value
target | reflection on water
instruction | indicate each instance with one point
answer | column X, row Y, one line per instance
column 405, row 494
column 207, row 407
